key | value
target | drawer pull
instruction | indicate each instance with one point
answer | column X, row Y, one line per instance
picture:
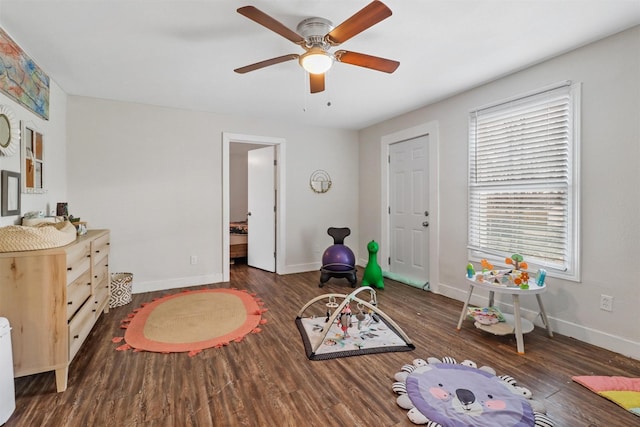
column 97, row 251
column 75, row 337
column 69, row 268
column 88, row 283
column 70, row 303
column 94, row 310
column 95, row 276
column 89, row 256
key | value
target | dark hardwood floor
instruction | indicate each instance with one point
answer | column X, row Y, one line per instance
column 266, row 380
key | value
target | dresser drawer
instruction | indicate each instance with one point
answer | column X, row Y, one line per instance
column 77, row 293
column 80, row 326
column 101, row 272
column 100, row 247
column 78, row 260
column 100, row 301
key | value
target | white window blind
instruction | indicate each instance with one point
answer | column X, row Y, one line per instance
column 521, row 180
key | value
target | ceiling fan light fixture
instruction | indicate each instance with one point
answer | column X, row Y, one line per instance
column 316, row 60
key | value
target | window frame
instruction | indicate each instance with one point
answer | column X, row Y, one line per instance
column 572, row 271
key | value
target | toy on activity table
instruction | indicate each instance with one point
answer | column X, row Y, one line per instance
column 542, row 274
column 517, row 261
column 486, row 265
column 519, row 276
column 373, row 272
column 489, row 273
column 516, row 277
column 470, row 271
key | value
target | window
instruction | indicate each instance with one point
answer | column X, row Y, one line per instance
column 523, row 186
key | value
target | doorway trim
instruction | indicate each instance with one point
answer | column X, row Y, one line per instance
column 279, row 145
column 430, row 129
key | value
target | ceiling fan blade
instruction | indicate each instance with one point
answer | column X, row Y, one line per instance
column 366, row 61
column 317, row 82
column 267, row 21
column 266, row 63
column 367, row 17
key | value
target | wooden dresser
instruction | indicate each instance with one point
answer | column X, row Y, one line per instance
column 52, row 298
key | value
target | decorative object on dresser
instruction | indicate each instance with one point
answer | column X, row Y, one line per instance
column 52, row 298
column 42, row 235
column 62, row 209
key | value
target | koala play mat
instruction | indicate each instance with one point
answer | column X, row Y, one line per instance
column 444, row 393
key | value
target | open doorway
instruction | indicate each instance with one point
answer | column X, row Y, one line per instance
column 239, row 210
column 236, row 148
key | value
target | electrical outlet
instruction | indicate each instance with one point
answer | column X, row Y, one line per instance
column 194, row 259
column 606, row 303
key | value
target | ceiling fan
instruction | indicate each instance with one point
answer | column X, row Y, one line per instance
column 316, row 36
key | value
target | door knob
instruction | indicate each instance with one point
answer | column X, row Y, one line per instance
column 425, row 224
column 248, row 213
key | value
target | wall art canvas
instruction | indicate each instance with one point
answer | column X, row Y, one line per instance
column 21, row 78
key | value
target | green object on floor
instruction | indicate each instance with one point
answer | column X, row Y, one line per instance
column 407, row 281
column 373, row 272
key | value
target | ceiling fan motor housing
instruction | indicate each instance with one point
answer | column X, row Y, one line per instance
column 313, row 30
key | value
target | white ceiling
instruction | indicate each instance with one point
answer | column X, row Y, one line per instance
column 182, row 53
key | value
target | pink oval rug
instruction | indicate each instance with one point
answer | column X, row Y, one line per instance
column 191, row 321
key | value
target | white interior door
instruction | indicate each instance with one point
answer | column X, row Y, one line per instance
column 261, row 241
column 409, row 210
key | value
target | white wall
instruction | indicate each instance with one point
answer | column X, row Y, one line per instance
column 153, row 177
column 610, row 217
column 55, row 150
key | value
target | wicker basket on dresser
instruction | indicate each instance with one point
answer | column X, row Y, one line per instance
column 52, row 298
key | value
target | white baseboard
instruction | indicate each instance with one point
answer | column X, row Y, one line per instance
column 592, row 336
column 176, row 283
column 301, row 268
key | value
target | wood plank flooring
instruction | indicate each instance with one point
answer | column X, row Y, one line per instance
column 266, row 380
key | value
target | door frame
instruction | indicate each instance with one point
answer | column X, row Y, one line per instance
column 279, row 144
column 429, row 129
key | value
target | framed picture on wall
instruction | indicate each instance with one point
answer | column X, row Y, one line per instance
column 33, row 162
column 10, row 193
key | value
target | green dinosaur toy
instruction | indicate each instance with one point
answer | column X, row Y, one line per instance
column 373, row 272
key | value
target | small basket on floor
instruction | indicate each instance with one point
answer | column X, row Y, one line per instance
column 120, row 289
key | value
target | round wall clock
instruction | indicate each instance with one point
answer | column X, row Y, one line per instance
column 9, row 132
